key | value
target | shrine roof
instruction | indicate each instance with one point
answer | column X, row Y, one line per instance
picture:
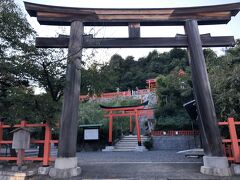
column 57, row 15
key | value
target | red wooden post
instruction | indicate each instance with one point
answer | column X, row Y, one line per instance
column 130, row 122
column 110, row 129
column 234, row 139
column 138, row 128
column 47, row 148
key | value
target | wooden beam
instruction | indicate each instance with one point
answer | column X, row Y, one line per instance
column 134, row 30
column 119, row 115
column 69, row 116
column 55, row 15
column 202, row 91
column 164, row 42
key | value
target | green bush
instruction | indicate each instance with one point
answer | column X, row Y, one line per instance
column 180, row 121
column 148, row 144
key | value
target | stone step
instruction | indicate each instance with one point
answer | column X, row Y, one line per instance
column 127, row 142
column 134, row 147
column 131, row 141
column 126, row 145
column 124, row 150
column 133, row 138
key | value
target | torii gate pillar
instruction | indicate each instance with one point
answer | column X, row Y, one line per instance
column 215, row 163
column 66, row 162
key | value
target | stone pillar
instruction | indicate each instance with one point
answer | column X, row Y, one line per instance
column 66, row 163
column 215, row 163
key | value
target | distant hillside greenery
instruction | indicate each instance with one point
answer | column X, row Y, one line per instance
column 130, row 73
column 172, row 90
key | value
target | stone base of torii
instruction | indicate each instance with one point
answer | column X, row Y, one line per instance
column 65, row 167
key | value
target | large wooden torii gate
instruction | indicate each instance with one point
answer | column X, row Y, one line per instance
column 190, row 17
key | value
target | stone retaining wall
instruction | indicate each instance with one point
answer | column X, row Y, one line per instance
column 175, row 142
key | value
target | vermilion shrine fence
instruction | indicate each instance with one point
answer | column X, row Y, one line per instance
column 231, row 145
column 140, row 92
column 111, row 95
column 175, row 133
column 47, row 143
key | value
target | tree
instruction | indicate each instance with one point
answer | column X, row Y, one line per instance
column 225, row 82
column 15, row 49
column 128, row 73
column 48, row 70
column 16, row 46
column 21, row 65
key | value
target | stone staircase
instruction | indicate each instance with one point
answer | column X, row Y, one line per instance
column 128, row 143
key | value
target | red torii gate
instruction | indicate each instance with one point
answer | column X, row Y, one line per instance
column 125, row 111
column 151, row 84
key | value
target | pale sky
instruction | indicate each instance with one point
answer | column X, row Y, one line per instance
column 103, row 55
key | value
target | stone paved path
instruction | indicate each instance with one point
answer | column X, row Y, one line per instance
column 153, row 165
column 149, row 156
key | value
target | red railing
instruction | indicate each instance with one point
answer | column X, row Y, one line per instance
column 84, row 97
column 175, row 133
column 110, row 95
column 20, row 154
column 143, row 91
column 107, row 95
column 231, row 146
column 147, row 112
column 116, row 94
